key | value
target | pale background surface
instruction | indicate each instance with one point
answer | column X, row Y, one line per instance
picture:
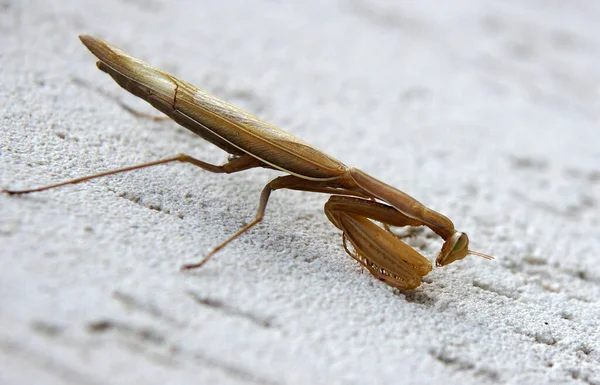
column 486, row 112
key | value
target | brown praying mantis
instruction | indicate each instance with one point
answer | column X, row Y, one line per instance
column 358, row 200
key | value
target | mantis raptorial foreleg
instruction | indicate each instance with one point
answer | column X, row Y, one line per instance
column 371, row 209
column 381, row 252
column 384, row 255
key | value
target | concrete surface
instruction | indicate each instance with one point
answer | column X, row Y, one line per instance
column 485, row 111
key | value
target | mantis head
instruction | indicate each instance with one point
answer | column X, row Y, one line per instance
column 456, row 248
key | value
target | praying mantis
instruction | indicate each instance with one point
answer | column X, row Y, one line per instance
column 357, row 200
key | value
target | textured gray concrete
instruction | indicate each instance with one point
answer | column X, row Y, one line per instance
column 485, row 111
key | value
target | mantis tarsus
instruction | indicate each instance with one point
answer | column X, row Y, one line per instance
column 358, row 200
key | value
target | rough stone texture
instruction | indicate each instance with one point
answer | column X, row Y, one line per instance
column 486, row 111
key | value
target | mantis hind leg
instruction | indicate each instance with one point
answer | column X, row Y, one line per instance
column 236, row 164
